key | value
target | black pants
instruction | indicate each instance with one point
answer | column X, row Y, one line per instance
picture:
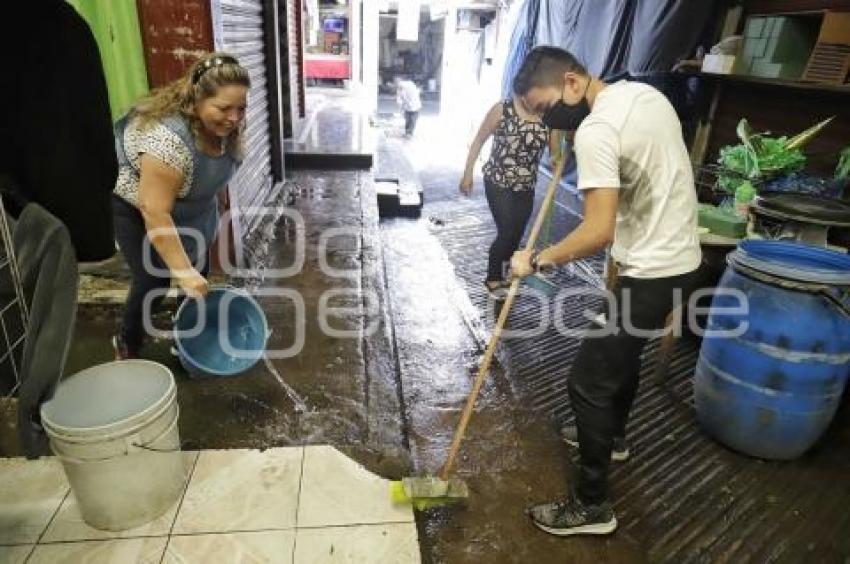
column 131, row 235
column 604, row 377
column 511, row 211
column 410, row 119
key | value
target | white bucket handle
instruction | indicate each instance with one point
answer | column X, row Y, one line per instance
column 130, row 445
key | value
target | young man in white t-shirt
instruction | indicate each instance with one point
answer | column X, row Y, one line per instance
column 639, row 197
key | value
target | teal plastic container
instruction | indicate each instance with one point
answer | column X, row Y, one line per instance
column 223, row 334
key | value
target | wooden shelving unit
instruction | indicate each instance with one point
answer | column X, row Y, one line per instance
column 782, row 106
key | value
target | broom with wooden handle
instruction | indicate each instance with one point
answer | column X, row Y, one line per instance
column 433, row 490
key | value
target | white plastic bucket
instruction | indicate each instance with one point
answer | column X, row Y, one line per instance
column 114, row 427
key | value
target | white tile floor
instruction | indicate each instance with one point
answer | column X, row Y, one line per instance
column 296, row 505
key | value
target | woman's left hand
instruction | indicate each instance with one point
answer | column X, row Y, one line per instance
column 521, row 264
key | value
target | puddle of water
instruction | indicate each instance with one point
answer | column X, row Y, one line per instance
column 327, row 426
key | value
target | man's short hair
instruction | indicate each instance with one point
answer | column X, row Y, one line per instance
column 545, row 66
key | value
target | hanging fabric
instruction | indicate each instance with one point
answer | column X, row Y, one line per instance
column 614, row 38
column 522, row 40
column 57, row 142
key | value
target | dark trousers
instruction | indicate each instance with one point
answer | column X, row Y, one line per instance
column 410, row 119
column 604, row 377
column 131, row 235
column 511, row 211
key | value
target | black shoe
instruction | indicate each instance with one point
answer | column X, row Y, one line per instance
column 619, row 453
column 572, row 517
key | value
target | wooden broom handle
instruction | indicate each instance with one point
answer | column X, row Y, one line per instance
column 484, row 368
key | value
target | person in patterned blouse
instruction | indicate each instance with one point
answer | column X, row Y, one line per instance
column 510, row 176
column 177, row 149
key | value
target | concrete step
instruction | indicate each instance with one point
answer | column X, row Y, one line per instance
column 400, row 193
column 397, row 199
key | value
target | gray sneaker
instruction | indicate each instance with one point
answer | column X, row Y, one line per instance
column 619, row 453
column 572, row 517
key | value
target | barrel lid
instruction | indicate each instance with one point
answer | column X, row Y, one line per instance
column 794, row 261
column 109, row 398
column 804, row 208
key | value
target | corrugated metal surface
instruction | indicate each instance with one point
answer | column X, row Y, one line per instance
column 242, row 34
column 294, row 12
column 681, row 496
column 284, row 37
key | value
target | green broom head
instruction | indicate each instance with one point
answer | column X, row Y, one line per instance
column 428, row 491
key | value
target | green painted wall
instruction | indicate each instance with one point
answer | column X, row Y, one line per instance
column 115, row 25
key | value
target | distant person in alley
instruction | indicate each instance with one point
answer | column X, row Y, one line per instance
column 407, row 95
column 177, row 150
column 510, row 176
column 639, row 196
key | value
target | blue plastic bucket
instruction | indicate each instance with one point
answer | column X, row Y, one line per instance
column 223, row 334
column 772, row 391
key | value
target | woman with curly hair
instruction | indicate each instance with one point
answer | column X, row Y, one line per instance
column 177, row 149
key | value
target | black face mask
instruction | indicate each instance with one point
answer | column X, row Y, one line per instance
column 565, row 117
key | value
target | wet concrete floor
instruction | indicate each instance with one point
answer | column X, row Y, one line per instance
column 681, row 497
column 512, row 457
column 389, row 397
column 348, row 384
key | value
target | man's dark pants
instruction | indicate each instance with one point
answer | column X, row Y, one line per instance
column 604, row 378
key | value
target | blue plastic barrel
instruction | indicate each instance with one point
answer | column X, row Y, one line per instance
column 772, row 391
column 223, row 334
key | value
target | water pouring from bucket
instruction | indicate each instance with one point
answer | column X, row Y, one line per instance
column 298, row 401
column 223, row 334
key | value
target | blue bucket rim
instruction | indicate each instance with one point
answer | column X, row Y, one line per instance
column 794, row 261
column 205, row 369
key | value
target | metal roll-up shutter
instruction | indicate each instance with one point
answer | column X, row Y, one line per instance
column 294, row 13
column 242, row 35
